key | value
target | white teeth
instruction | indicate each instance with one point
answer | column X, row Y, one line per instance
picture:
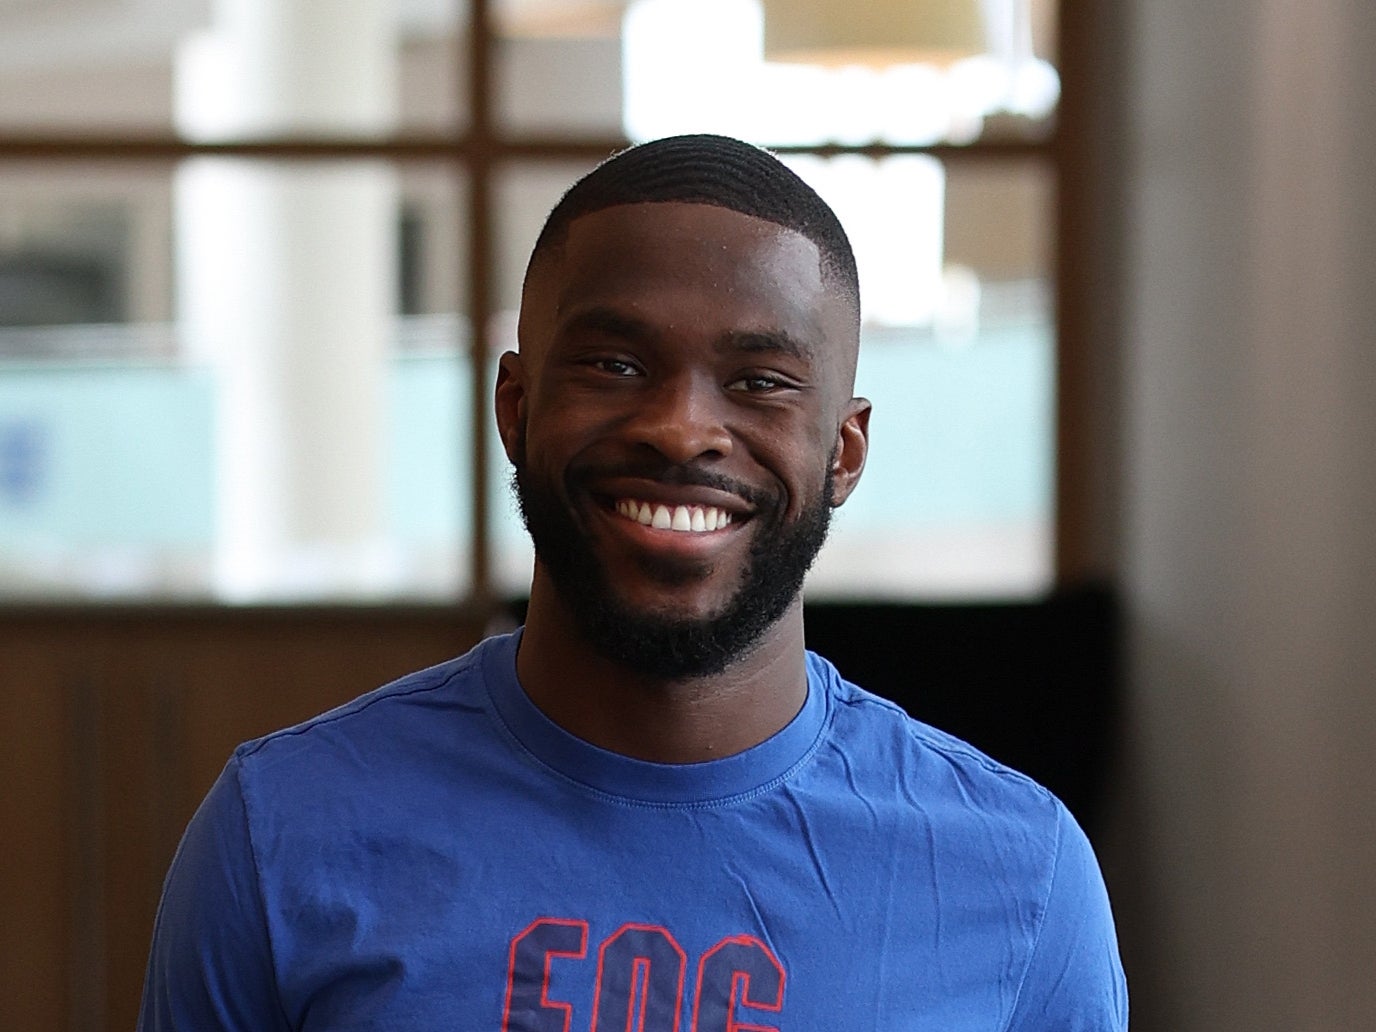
column 696, row 519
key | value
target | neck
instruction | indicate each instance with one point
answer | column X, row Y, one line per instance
column 687, row 720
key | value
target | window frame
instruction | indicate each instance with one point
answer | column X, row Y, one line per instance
column 480, row 153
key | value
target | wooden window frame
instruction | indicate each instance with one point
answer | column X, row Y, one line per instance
column 483, row 148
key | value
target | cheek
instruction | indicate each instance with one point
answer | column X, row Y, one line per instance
column 797, row 479
column 812, row 471
column 551, row 436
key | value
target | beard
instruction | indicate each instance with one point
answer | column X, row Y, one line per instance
column 663, row 646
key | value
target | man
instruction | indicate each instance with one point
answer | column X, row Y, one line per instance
column 651, row 809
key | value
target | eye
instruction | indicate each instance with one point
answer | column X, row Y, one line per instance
column 757, row 383
column 615, row 366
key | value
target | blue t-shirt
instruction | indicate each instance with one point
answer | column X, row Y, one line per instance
column 439, row 855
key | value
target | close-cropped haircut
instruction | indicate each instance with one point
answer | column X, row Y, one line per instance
column 715, row 170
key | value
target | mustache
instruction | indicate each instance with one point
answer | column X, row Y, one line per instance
column 677, row 474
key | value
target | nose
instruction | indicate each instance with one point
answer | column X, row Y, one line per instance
column 683, row 419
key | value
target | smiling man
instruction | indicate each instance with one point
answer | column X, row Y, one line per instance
column 651, row 808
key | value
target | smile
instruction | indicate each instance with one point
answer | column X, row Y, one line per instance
column 690, row 519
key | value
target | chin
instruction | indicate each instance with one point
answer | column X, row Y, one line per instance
column 670, row 617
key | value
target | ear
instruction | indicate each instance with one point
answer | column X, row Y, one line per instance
column 852, row 445
column 509, row 402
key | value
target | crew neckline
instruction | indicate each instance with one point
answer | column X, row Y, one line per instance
column 625, row 777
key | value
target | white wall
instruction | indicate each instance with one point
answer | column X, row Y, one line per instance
column 1249, row 491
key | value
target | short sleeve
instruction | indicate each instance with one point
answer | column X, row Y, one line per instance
column 1074, row 981
column 210, row 968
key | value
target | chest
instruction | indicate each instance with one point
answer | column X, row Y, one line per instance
column 531, row 917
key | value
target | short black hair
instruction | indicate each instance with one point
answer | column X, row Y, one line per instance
column 704, row 168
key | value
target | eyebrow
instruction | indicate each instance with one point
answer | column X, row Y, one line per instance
column 601, row 319
column 608, row 321
column 766, row 342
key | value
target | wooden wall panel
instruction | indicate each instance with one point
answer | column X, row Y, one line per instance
column 114, row 724
column 34, row 918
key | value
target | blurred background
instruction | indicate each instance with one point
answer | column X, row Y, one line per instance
column 257, row 260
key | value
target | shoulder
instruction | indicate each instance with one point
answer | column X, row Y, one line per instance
column 404, row 729
column 994, row 838
column 395, row 698
column 937, row 767
column 939, row 800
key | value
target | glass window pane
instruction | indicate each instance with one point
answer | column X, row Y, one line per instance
column 242, row 381
column 560, row 83
column 700, row 66
column 956, row 499
column 224, row 71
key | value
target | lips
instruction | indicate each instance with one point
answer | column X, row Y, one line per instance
column 688, row 519
column 660, row 511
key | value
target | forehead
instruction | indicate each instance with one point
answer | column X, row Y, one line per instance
column 691, row 236
column 675, row 261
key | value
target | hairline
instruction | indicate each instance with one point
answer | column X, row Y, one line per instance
column 555, row 234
